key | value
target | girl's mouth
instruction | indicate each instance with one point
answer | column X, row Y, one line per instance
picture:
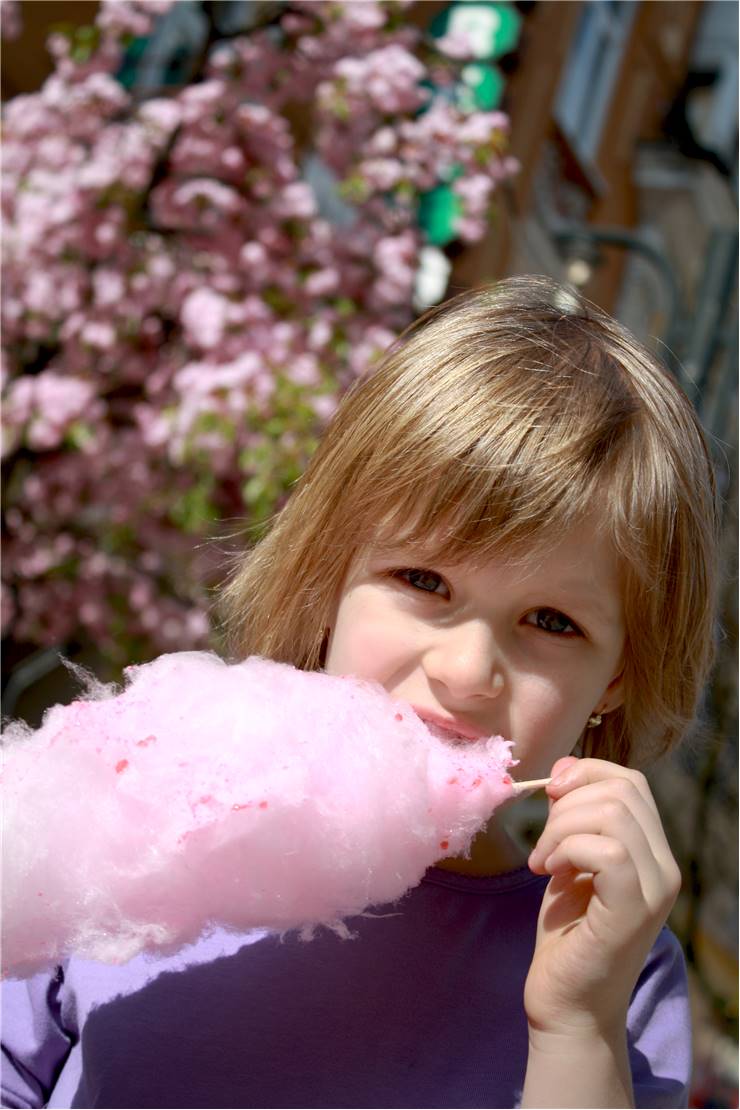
column 447, row 735
column 449, row 729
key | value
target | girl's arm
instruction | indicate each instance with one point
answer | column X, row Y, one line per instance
column 613, row 883
column 585, row 1069
column 35, row 1044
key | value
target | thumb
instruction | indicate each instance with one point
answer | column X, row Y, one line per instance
column 561, row 765
column 558, row 768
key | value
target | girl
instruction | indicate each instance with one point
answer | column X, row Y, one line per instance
column 511, row 525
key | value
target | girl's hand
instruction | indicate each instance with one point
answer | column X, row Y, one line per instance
column 613, row 884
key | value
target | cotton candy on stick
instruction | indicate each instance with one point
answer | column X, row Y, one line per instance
column 243, row 795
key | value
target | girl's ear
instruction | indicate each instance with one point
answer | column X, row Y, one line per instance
column 613, row 696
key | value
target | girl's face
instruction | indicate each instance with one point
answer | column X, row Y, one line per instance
column 527, row 651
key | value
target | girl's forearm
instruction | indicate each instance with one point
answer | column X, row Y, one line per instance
column 584, row 1069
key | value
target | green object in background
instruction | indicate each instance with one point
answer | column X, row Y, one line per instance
column 129, row 67
column 481, row 87
column 439, row 211
column 493, row 26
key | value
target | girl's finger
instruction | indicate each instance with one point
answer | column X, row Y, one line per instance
column 588, row 771
column 560, row 766
column 615, row 794
column 609, row 818
column 615, row 880
column 617, row 797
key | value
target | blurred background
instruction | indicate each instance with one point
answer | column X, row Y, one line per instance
column 217, row 215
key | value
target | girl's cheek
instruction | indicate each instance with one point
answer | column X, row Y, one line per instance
column 542, row 697
column 388, row 642
column 544, row 716
column 369, row 639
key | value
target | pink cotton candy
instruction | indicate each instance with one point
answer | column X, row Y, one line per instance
column 242, row 795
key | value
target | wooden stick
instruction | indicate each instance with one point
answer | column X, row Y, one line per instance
column 529, row 786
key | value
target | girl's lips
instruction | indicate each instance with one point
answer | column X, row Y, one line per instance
column 450, row 725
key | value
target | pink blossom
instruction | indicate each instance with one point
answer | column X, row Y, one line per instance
column 479, row 127
column 366, row 351
column 320, row 334
column 253, row 254
column 106, row 233
column 203, row 378
column 161, row 113
column 383, row 141
column 365, row 14
column 296, row 200
column 47, row 404
column 99, row 173
column 324, row 406
column 98, row 334
column 108, row 285
column 212, row 192
column 98, row 96
column 133, row 18
column 395, row 253
column 382, row 173
column 155, row 427
column 197, row 626
column 304, row 370
column 470, row 230
column 388, row 78
column 322, row 282
column 199, row 101
column 52, row 291
column 233, row 159
column 159, row 7
column 178, row 316
column 475, row 189
column 203, row 315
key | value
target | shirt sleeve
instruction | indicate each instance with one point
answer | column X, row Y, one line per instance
column 35, row 1043
column 659, row 1028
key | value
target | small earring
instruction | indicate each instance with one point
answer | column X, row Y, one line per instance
column 594, row 720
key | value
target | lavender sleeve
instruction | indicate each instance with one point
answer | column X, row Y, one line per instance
column 35, row 1043
column 659, row 1028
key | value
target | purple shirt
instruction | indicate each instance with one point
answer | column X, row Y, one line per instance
column 422, row 1009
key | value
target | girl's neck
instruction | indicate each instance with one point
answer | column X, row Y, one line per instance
column 493, row 852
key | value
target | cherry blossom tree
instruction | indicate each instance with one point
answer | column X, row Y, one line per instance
column 193, row 275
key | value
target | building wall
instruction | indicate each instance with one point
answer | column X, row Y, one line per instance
column 604, row 192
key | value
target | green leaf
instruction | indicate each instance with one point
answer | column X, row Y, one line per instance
column 79, row 435
column 193, row 509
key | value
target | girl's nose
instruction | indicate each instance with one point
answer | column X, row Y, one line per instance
column 466, row 661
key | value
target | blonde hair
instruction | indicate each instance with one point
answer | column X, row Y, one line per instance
column 500, row 418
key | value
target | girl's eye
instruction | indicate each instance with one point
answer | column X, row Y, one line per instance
column 427, row 581
column 552, row 620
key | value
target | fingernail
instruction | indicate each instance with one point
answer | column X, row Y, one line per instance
column 565, row 778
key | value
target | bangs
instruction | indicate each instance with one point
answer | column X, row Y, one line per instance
column 466, row 513
column 525, row 452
